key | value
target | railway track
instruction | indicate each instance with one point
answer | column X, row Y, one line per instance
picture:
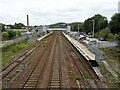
column 39, row 67
column 91, row 72
column 5, row 71
column 80, row 64
column 55, row 74
column 47, row 70
column 13, row 75
column 75, row 66
column 15, row 63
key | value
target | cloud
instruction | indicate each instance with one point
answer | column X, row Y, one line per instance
column 52, row 11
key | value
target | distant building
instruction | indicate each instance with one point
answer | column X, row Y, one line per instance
column 7, row 26
column 68, row 29
column 119, row 7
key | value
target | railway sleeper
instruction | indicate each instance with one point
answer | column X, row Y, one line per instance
column 31, row 86
column 32, row 80
column 56, row 81
column 55, row 77
column 55, row 86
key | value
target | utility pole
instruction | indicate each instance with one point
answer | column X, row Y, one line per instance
column 71, row 27
column 78, row 28
column 93, row 30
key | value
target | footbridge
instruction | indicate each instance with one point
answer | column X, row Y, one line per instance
column 57, row 29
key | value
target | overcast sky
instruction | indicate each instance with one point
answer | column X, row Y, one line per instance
column 52, row 11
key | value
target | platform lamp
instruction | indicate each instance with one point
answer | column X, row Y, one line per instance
column 78, row 28
column 93, row 30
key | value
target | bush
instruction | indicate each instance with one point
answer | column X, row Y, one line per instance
column 110, row 36
column 77, row 78
column 5, row 36
column 17, row 71
column 18, row 33
column 105, row 33
column 12, row 34
column 97, row 35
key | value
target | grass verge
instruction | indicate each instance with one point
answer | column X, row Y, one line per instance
column 114, row 61
column 12, row 50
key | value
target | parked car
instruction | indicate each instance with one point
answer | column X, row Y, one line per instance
column 92, row 42
column 102, row 39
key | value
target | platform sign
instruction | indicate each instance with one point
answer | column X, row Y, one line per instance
column 21, row 68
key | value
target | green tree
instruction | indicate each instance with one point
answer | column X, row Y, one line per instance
column 101, row 22
column 76, row 25
column 2, row 27
column 18, row 26
column 5, row 36
column 12, row 34
column 58, row 25
column 88, row 26
column 114, row 24
column 105, row 33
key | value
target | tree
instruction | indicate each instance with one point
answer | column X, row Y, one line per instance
column 2, row 27
column 88, row 25
column 75, row 25
column 105, row 33
column 5, row 36
column 100, row 23
column 18, row 26
column 114, row 24
column 58, row 25
column 12, row 34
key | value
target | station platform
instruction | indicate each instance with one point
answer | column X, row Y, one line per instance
column 44, row 36
column 86, row 53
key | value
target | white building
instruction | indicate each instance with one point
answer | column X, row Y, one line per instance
column 45, row 28
column 68, row 29
column 119, row 7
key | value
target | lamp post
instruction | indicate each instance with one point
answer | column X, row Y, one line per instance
column 93, row 30
column 78, row 28
column 71, row 27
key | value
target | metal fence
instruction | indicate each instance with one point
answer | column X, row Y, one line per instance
column 99, row 55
